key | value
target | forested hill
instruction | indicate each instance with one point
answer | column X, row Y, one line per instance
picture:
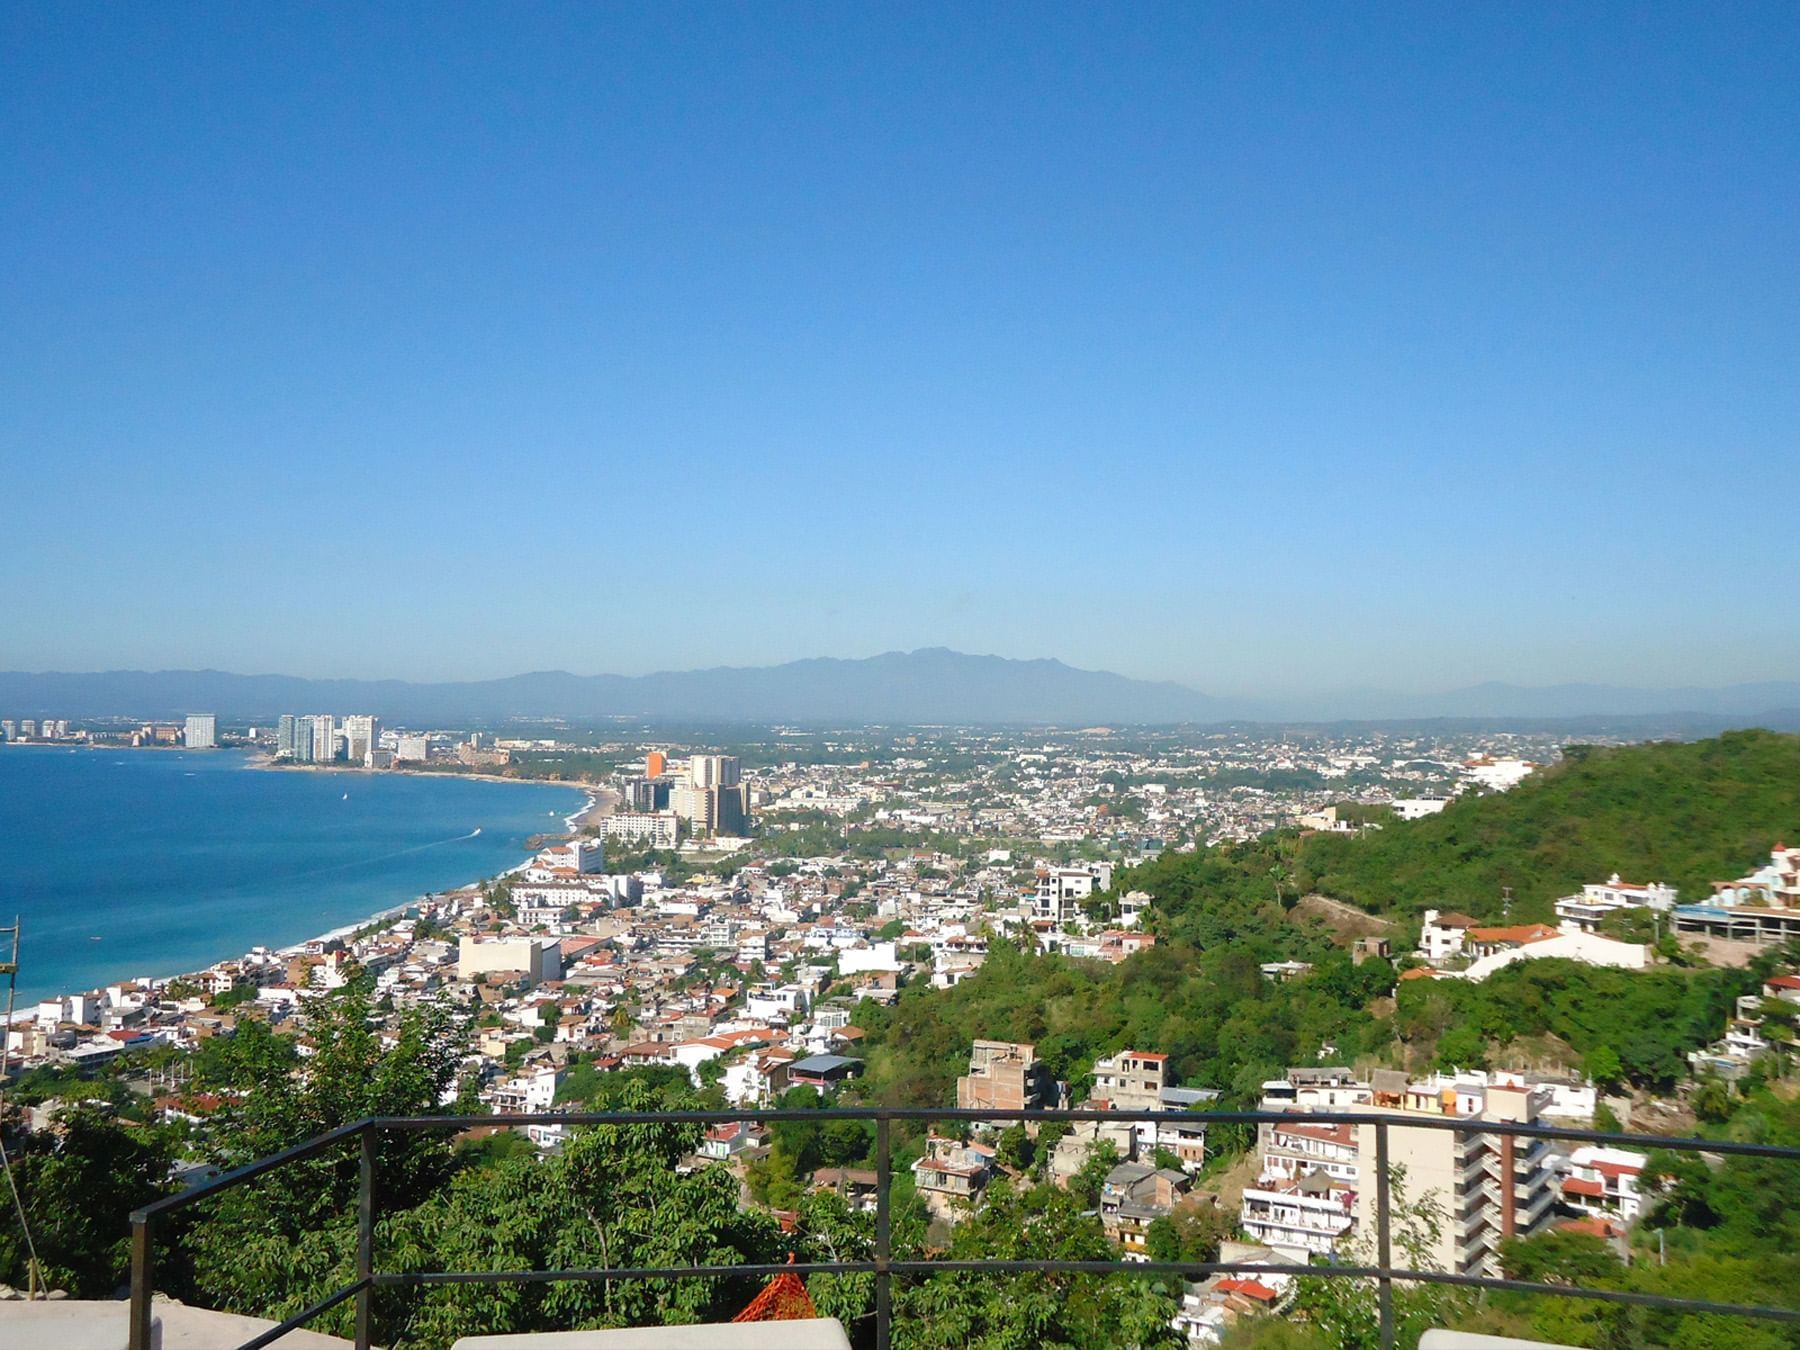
column 1683, row 813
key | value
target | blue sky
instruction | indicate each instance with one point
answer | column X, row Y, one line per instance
column 1264, row 348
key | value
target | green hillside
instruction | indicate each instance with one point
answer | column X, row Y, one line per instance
column 1686, row 814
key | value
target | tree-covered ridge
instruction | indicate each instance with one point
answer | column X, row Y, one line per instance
column 1683, row 813
column 1210, row 1010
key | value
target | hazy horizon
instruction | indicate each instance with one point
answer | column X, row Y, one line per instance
column 1253, row 349
column 1260, row 692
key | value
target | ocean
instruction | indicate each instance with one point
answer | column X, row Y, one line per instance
column 123, row 863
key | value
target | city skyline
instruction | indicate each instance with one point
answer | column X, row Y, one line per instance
column 1243, row 348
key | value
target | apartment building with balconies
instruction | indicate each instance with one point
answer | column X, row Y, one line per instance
column 1312, row 1210
column 1486, row 1187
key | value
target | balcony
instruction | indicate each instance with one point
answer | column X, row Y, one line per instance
column 367, row 1137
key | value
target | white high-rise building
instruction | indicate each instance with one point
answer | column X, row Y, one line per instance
column 202, row 732
column 361, row 734
column 324, row 738
column 713, row 771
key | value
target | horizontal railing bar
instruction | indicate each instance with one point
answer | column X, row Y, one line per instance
column 225, row 1180
column 1076, row 1114
column 305, row 1315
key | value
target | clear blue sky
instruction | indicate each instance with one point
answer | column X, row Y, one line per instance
column 1274, row 347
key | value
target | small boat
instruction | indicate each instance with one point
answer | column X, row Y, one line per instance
column 346, row 796
column 94, row 937
column 475, row 831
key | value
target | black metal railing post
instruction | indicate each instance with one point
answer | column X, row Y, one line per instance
column 1384, row 1247
column 884, row 1234
column 365, row 1239
column 143, row 1275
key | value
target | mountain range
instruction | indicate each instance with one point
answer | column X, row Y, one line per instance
column 931, row 685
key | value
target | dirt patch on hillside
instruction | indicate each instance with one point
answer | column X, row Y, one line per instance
column 1346, row 922
column 1230, row 1185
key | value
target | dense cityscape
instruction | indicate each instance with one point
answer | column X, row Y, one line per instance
column 732, row 923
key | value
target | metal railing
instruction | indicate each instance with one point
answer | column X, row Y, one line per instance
column 883, row 1266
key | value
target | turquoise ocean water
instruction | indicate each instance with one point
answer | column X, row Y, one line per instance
column 137, row 862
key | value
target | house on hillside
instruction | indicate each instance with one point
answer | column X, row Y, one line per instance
column 1442, row 935
column 1135, row 1195
column 952, row 1175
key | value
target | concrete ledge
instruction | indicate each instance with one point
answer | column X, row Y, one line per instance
column 76, row 1324
column 1470, row 1340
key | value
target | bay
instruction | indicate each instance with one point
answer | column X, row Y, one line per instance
column 125, row 863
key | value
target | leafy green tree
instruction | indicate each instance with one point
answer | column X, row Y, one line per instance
column 1021, row 1311
column 1461, row 1047
column 78, row 1183
column 1015, row 1148
column 1711, row 1100
column 613, row 1197
column 1347, row 1311
column 1558, row 1257
column 269, row 1245
column 1602, row 1065
column 1162, row 1241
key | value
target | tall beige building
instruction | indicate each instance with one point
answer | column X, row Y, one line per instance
column 1317, row 1182
column 1486, row 1187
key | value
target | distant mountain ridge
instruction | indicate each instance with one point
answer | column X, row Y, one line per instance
column 931, row 685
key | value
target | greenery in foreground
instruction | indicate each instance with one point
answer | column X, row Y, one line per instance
column 613, row 1196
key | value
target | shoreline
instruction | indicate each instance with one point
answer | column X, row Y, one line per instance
column 593, row 806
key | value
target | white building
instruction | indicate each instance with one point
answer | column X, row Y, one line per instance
column 1588, row 948
column 362, row 734
column 1417, row 808
column 537, row 959
column 1498, row 774
column 1604, row 1182
column 875, row 956
column 657, row 829
column 324, row 738
column 1442, row 935
column 412, row 749
column 1598, row 899
column 201, row 732
column 713, row 771
column 1060, row 891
